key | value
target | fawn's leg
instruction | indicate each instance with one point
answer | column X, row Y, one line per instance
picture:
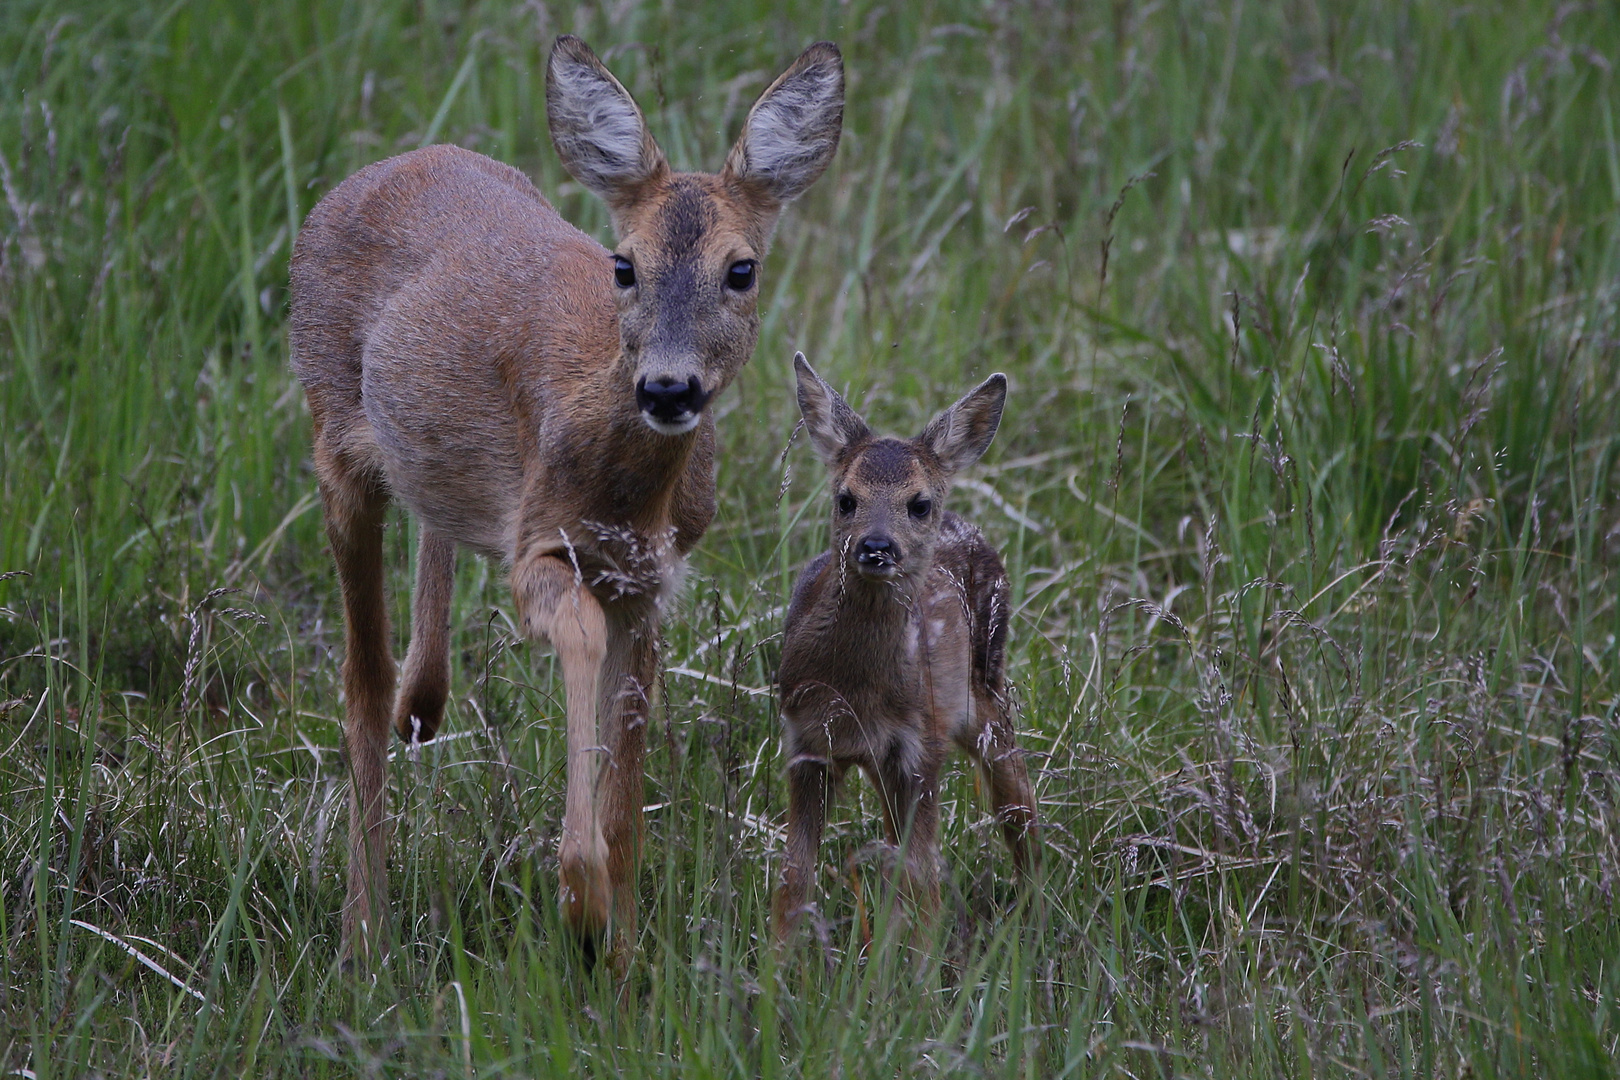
column 554, row 606
column 808, row 782
column 426, row 686
column 1001, row 763
column 355, row 505
column 910, row 795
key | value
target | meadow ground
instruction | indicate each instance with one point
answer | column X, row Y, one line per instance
column 1306, row 489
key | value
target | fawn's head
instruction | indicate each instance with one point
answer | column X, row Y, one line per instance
column 686, row 271
column 889, row 494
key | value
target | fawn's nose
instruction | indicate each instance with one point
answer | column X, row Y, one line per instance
column 671, row 405
column 877, row 552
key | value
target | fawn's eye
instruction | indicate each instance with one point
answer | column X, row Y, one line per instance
column 740, row 278
column 846, row 504
column 623, row 272
column 919, row 506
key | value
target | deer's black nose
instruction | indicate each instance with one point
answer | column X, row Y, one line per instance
column 670, row 401
column 877, row 551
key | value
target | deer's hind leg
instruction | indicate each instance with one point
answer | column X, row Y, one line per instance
column 994, row 748
column 356, row 503
column 989, row 737
column 426, row 686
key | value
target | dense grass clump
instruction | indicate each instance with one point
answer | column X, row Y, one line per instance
column 1307, row 490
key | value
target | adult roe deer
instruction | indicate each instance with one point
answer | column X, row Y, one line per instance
column 530, row 395
column 895, row 643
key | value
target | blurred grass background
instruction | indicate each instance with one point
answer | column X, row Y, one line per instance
column 1306, row 490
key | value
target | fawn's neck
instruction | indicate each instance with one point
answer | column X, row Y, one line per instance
column 882, row 608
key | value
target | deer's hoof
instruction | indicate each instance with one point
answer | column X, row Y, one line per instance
column 584, row 896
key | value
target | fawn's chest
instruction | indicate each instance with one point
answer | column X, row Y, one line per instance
column 859, row 675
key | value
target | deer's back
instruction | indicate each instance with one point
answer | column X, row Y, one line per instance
column 969, row 574
column 442, row 313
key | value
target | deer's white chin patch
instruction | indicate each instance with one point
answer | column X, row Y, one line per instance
column 672, row 427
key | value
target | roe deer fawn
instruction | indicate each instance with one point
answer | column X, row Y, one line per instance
column 535, row 397
column 895, row 643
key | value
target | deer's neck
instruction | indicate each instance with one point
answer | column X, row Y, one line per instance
column 624, row 473
column 881, row 608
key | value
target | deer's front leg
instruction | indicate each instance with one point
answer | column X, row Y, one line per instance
column 910, row 792
column 627, row 682
column 808, row 779
column 555, row 606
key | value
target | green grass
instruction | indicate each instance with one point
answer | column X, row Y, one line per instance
column 1307, row 490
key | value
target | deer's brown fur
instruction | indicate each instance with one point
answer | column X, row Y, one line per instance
column 468, row 352
column 895, row 644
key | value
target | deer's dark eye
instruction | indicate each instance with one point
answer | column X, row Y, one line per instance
column 740, row 278
column 846, row 504
column 623, row 272
column 919, row 507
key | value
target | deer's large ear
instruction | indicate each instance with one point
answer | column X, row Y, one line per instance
column 832, row 424
column 961, row 434
column 596, row 127
column 792, row 131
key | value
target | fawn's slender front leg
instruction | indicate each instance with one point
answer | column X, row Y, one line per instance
column 911, row 811
column 554, row 605
column 355, row 509
column 808, row 779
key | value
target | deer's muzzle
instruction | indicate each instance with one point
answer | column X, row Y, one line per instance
column 877, row 556
column 669, row 406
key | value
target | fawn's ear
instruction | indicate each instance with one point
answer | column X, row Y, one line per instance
column 792, row 131
column 596, row 127
column 832, row 424
column 961, row 434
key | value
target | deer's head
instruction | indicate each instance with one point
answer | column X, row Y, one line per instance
column 889, row 494
column 686, row 270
